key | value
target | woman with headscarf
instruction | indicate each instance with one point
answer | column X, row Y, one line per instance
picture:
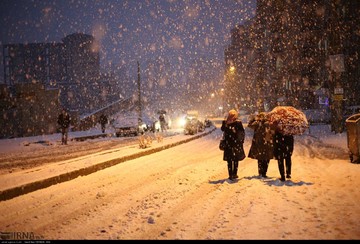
column 262, row 142
column 234, row 135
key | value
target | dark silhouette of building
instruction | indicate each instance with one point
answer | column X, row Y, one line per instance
column 72, row 66
column 293, row 51
column 82, row 73
column 28, row 110
column 31, row 63
column 40, row 78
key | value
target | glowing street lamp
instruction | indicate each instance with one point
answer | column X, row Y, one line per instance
column 230, row 80
column 232, row 69
column 222, row 100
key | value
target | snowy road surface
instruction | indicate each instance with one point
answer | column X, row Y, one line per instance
column 183, row 193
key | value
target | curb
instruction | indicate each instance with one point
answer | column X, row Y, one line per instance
column 83, row 138
column 36, row 185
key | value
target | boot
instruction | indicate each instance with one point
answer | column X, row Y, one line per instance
column 259, row 168
column 281, row 169
column 63, row 142
column 265, row 165
column 230, row 172
column 288, row 168
column 235, row 176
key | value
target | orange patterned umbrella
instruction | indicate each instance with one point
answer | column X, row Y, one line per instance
column 289, row 120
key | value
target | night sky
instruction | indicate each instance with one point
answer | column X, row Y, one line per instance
column 129, row 30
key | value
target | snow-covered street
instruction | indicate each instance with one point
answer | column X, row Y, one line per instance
column 183, row 193
column 114, row 114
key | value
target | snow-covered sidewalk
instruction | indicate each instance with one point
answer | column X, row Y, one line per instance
column 24, row 181
column 20, row 143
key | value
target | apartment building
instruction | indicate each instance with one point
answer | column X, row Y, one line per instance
column 295, row 52
column 40, row 78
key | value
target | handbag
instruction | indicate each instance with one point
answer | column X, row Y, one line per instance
column 222, row 143
column 242, row 153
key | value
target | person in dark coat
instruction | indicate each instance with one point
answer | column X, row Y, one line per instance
column 64, row 121
column 234, row 135
column 103, row 121
column 262, row 142
column 283, row 149
column 162, row 122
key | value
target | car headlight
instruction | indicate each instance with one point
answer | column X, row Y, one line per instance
column 181, row 122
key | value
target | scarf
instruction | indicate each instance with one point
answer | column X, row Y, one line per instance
column 232, row 116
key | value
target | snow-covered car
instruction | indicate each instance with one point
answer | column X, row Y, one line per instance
column 201, row 126
column 208, row 123
column 153, row 125
column 191, row 126
column 129, row 125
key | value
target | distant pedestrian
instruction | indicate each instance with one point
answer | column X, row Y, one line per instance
column 262, row 142
column 103, row 120
column 162, row 122
column 64, row 121
column 283, row 149
column 234, row 135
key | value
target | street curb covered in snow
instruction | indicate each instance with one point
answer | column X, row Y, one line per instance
column 39, row 184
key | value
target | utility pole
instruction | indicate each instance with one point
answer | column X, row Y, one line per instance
column 139, row 92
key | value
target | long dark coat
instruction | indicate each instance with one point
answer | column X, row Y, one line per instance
column 283, row 145
column 262, row 142
column 103, row 119
column 234, row 139
column 64, row 120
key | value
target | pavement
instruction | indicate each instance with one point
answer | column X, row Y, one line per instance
column 26, row 181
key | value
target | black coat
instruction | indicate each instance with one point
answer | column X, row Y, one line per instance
column 283, row 145
column 103, row 119
column 234, row 139
column 262, row 141
column 64, row 120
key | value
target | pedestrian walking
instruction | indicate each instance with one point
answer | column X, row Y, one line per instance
column 162, row 121
column 283, row 149
column 262, row 142
column 64, row 121
column 234, row 136
column 103, row 120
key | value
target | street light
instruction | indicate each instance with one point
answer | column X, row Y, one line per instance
column 229, row 83
column 232, row 69
column 212, row 103
column 222, row 100
column 139, row 90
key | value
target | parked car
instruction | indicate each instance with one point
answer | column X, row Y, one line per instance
column 191, row 126
column 208, row 123
column 129, row 125
column 154, row 125
column 201, row 126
